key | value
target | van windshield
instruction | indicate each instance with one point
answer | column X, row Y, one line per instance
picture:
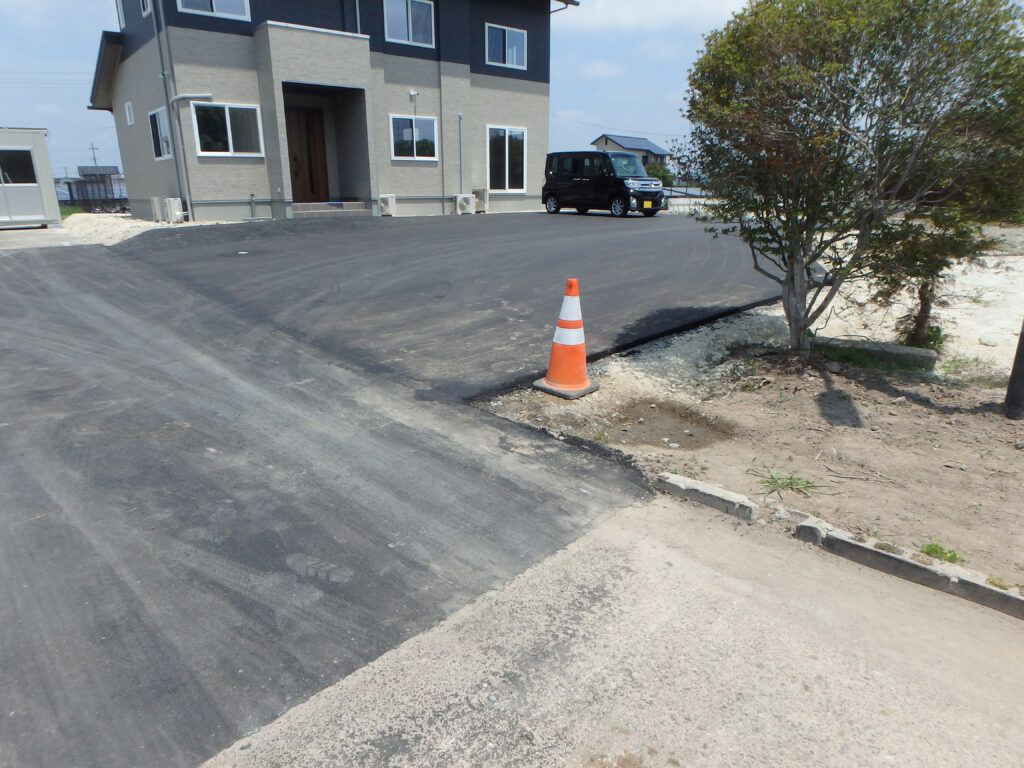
column 627, row 165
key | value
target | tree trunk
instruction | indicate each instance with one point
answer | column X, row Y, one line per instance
column 794, row 302
column 918, row 335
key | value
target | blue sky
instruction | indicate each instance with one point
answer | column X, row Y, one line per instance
column 618, row 66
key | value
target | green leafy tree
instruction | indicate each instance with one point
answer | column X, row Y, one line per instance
column 861, row 135
column 661, row 172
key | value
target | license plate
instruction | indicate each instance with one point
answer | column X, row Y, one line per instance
column 647, row 203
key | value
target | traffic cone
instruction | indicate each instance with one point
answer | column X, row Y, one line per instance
column 567, row 369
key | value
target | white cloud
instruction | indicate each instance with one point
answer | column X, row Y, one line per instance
column 697, row 15
column 602, row 69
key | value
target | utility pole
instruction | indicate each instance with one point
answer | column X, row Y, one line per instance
column 93, row 147
column 1015, row 390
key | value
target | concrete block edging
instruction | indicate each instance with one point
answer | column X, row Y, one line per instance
column 953, row 580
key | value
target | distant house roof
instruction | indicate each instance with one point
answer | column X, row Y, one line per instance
column 636, row 143
column 98, row 170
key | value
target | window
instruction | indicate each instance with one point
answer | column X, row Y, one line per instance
column 120, row 13
column 16, row 167
column 129, row 113
column 409, row 21
column 413, row 138
column 160, row 130
column 506, row 47
column 227, row 129
column 146, row 7
column 229, row 9
column 506, row 159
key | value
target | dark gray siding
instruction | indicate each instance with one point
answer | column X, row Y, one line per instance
column 533, row 16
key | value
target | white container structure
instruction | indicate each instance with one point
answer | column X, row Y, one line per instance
column 28, row 196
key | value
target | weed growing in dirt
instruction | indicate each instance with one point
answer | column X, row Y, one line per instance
column 777, row 483
column 885, row 546
column 998, row 583
column 936, row 339
column 601, row 436
column 941, row 553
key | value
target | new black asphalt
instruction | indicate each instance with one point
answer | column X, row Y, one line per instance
column 234, row 467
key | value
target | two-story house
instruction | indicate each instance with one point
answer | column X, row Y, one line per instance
column 263, row 108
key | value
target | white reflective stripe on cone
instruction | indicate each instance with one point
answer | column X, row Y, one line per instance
column 570, row 308
column 568, row 336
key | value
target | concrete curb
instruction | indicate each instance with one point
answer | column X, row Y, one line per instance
column 881, row 556
column 709, row 495
column 894, row 354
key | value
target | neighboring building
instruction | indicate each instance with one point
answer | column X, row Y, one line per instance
column 273, row 108
column 27, row 194
column 646, row 150
column 98, row 188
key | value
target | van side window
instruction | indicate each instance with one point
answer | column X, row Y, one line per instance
column 566, row 164
column 592, row 165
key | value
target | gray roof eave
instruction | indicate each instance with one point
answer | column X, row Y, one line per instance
column 107, row 62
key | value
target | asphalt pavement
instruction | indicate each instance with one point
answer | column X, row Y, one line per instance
column 234, row 466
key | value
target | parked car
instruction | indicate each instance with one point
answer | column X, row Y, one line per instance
column 610, row 181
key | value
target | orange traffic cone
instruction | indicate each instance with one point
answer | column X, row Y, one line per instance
column 567, row 369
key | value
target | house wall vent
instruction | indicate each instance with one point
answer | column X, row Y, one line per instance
column 465, row 204
column 387, row 204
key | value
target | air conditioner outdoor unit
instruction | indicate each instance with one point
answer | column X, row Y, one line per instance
column 157, row 204
column 482, row 200
column 173, row 211
column 465, row 204
column 388, row 204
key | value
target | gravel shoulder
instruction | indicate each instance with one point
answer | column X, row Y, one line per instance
column 911, row 459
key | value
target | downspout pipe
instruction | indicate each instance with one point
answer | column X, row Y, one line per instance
column 175, row 135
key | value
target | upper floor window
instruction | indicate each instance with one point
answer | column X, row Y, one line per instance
column 409, row 21
column 506, row 46
column 120, row 13
column 146, row 7
column 413, row 138
column 228, row 129
column 229, row 9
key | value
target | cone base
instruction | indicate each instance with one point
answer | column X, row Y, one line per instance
column 568, row 394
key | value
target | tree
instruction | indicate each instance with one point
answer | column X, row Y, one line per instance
column 661, row 172
column 834, row 132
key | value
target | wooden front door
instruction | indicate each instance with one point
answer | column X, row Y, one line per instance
column 307, row 155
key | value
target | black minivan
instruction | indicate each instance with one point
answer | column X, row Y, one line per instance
column 610, row 181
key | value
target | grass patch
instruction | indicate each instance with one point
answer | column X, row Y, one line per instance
column 885, row 546
column 998, row 583
column 68, row 210
column 778, row 483
column 601, row 437
column 939, row 552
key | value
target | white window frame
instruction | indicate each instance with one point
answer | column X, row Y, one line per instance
column 35, row 169
column 408, row 16
column 414, row 118
column 147, row 7
column 120, row 12
column 162, row 121
column 487, row 145
column 129, row 113
column 227, row 122
column 487, row 47
column 220, row 14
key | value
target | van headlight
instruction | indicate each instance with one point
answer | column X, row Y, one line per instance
column 632, row 184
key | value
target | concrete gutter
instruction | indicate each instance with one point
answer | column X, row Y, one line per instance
column 873, row 553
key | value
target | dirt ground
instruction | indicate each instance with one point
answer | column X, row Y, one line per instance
column 907, row 458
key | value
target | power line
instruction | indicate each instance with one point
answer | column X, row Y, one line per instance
column 626, row 131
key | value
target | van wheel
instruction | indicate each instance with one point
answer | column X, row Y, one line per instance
column 581, row 211
column 551, row 204
column 619, row 207
column 650, row 214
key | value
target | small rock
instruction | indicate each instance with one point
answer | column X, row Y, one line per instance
column 897, row 400
column 640, row 420
column 687, row 432
column 1019, row 446
column 987, row 343
column 874, row 428
column 652, row 406
column 673, row 445
column 833, row 367
column 893, row 413
column 664, row 439
column 492, row 698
